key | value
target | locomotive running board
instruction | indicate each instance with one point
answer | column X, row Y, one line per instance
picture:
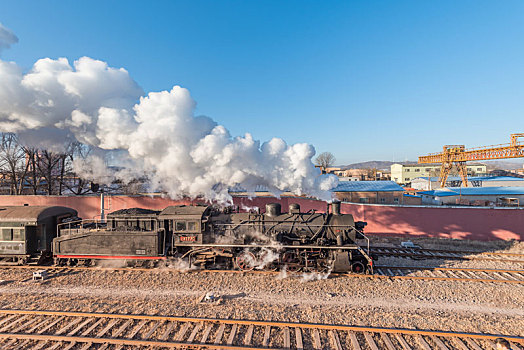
column 110, row 257
column 208, row 245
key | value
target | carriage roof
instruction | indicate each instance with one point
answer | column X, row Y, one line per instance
column 32, row 213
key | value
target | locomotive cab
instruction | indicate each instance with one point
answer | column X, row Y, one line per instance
column 185, row 224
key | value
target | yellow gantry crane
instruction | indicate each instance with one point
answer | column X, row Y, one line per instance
column 459, row 155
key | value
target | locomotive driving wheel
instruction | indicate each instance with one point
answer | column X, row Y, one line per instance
column 268, row 260
column 358, row 267
column 245, row 261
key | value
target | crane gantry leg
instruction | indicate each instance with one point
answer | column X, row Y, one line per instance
column 445, row 169
column 451, row 155
column 444, row 173
column 463, row 171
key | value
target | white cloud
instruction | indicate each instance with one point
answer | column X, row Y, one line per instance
column 157, row 134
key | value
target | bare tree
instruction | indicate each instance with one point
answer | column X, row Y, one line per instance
column 33, row 177
column 371, row 174
column 71, row 181
column 48, row 164
column 13, row 162
column 325, row 160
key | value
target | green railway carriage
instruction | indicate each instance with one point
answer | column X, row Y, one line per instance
column 26, row 232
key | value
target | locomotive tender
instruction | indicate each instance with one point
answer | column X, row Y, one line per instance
column 206, row 237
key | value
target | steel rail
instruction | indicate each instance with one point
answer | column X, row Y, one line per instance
column 418, row 253
column 450, row 251
column 447, row 269
column 219, row 340
column 126, row 342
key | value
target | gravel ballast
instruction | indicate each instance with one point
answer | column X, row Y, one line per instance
column 439, row 305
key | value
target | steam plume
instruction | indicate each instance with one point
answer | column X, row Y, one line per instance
column 157, row 134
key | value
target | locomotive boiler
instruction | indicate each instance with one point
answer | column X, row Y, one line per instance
column 207, row 237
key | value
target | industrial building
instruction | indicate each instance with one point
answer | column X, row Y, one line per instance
column 477, row 196
column 405, row 173
column 431, row 183
column 372, row 192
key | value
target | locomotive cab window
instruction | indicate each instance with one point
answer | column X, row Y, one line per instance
column 180, row 226
column 192, row 226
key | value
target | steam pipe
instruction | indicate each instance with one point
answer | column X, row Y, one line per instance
column 102, row 207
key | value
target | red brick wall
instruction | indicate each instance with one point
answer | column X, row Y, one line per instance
column 462, row 223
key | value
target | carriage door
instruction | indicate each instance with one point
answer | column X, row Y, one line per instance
column 30, row 239
column 41, row 237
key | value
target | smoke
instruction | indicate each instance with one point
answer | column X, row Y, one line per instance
column 261, row 259
column 180, row 265
column 282, row 274
column 111, row 264
column 314, row 276
column 7, row 38
column 249, row 209
column 156, row 135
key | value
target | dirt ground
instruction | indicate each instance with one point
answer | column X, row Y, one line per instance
column 440, row 305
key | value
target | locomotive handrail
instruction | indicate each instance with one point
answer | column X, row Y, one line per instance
column 363, row 235
column 75, row 222
column 323, row 225
column 99, row 224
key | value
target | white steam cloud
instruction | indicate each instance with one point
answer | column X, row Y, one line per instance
column 158, row 134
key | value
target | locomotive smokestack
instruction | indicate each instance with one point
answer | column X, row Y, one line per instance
column 335, row 208
column 294, row 208
column 273, row 209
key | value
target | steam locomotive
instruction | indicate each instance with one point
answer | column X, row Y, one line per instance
column 207, row 237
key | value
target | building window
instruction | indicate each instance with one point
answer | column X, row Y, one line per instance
column 479, row 169
column 382, row 200
column 417, row 170
column 364, row 200
column 407, row 170
column 407, row 178
column 428, row 169
column 395, row 200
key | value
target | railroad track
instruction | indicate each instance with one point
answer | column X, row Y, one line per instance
column 451, row 274
column 391, row 272
column 419, row 253
column 21, row 329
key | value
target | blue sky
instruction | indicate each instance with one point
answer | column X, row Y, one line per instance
column 365, row 80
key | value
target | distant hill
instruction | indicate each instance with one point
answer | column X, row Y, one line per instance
column 504, row 164
column 386, row 165
column 378, row 164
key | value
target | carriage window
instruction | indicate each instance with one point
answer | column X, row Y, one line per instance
column 192, row 226
column 180, row 226
column 7, row 234
column 18, row 234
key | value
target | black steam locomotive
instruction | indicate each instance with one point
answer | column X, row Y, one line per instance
column 199, row 236
column 211, row 238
